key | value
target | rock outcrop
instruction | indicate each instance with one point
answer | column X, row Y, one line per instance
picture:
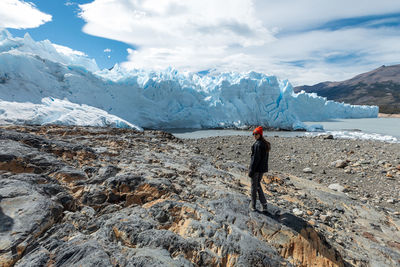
column 81, row 196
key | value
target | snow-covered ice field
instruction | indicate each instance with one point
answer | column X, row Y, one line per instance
column 60, row 112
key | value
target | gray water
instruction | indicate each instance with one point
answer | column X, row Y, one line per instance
column 383, row 129
column 196, row 133
column 383, row 126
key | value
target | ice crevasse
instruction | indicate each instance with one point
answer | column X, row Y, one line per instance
column 31, row 71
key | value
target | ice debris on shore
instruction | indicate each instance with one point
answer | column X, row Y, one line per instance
column 357, row 135
column 60, row 112
column 31, row 71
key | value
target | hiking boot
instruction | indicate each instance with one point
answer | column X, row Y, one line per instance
column 252, row 208
column 264, row 207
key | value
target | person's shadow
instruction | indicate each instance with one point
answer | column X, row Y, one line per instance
column 6, row 222
column 316, row 240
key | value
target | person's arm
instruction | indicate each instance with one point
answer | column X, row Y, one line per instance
column 255, row 159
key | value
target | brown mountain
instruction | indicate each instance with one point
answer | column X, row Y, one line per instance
column 379, row 87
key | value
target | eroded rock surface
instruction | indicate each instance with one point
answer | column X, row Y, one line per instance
column 81, row 196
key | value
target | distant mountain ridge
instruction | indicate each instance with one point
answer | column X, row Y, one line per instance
column 379, row 87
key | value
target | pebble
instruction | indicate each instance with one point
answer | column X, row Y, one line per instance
column 339, row 209
column 297, row 212
column 387, row 165
column 336, row 187
column 307, row 170
column 348, row 170
column 325, row 218
column 389, row 175
column 339, row 163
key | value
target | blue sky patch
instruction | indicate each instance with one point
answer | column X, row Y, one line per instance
column 344, row 57
column 66, row 29
column 298, row 63
column 377, row 21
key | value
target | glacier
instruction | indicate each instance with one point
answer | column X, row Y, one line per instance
column 34, row 72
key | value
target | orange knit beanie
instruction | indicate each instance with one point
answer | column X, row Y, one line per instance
column 258, row 130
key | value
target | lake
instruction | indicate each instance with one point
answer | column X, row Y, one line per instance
column 383, row 129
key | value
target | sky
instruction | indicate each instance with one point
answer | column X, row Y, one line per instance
column 305, row 41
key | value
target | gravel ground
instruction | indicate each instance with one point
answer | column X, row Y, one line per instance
column 365, row 170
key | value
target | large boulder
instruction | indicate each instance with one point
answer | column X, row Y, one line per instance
column 26, row 212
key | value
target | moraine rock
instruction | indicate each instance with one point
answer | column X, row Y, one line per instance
column 297, row 212
column 391, row 201
column 328, row 137
column 336, row 187
column 339, row 163
column 325, row 218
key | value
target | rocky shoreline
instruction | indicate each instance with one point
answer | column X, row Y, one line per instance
column 366, row 170
column 87, row 196
column 384, row 115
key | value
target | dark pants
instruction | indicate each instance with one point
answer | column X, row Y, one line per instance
column 257, row 189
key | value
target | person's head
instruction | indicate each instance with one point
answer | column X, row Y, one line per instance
column 258, row 135
column 258, row 132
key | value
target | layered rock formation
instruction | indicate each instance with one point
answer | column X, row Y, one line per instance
column 111, row 197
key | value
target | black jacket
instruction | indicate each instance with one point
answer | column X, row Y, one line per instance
column 259, row 158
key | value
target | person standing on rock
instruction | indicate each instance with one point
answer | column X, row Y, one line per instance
column 258, row 166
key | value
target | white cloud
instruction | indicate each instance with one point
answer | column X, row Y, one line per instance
column 107, row 50
column 68, row 51
column 274, row 37
column 168, row 23
column 21, row 15
column 289, row 15
column 70, row 3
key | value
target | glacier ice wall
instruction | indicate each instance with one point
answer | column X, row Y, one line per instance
column 31, row 71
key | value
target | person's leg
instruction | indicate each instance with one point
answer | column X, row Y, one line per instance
column 254, row 190
column 260, row 192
